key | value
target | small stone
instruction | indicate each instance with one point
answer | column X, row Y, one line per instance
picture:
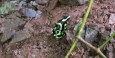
column 33, row 3
column 110, row 48
column 112, row 19
column 21, row 35
column 42, row 1
column 107, row 26
column 99, row 20
column 105, row 35
column 90, row 35
column 82, row 1
column 31, row 13
column 22, row 3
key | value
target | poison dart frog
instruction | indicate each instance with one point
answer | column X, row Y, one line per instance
column 59, row 30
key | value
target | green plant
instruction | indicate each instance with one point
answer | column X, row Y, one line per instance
column 80, row 29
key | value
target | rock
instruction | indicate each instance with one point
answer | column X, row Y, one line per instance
column 30, row 4
column 33, row 3
column 7, row 34
column 12, row 23
column 112, row 19
column 29, row 9
column 42, row 2
column 9, row 26
column 110, row 47
column 20, row 35
column 22, row 3
column 31, row 13
column 105, row 35
column 82, row 1
column 14, row 15
column 90, row 35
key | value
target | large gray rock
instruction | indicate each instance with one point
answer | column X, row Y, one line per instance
column 12, row 23
column 20, row 35
column 9, row 26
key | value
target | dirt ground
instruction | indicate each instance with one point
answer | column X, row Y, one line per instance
column 42, row 44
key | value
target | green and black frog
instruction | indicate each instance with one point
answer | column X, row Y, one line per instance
column 60, row 28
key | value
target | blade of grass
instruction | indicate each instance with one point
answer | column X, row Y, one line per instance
column 85, row 17
column 72, row 48
column 108, row 39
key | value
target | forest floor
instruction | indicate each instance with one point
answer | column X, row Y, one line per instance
column 40, row 42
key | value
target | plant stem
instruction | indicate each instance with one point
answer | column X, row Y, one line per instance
column 108, row 39
column 85, row 18
column 91, row 46
column 80, row 30
column 88, row 44
column 100, row 53
column 72, row 48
